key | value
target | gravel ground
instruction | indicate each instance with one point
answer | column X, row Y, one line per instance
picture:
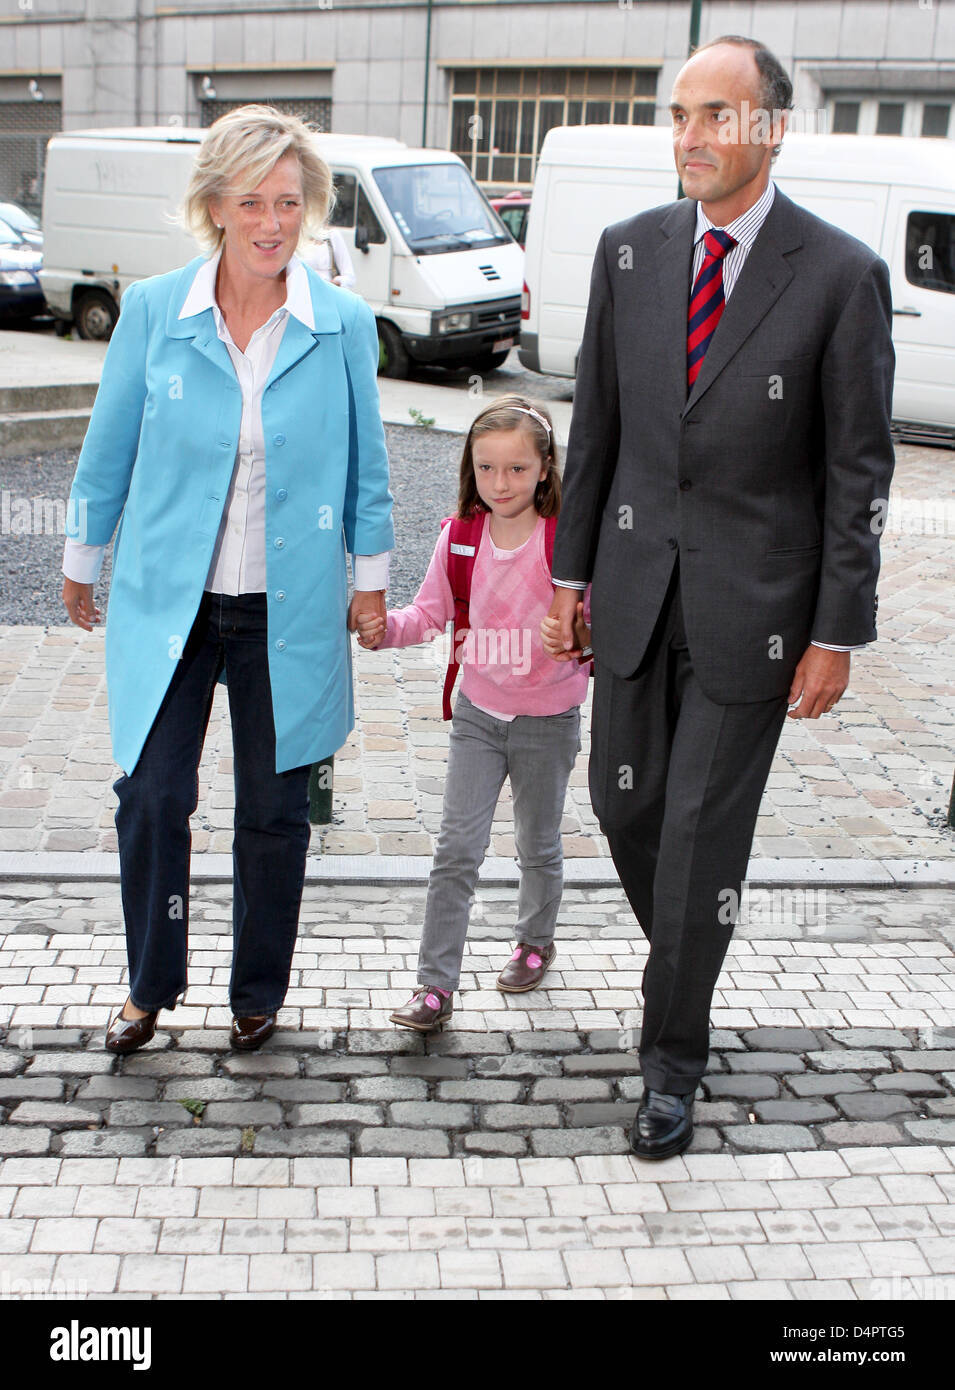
column 424, row 471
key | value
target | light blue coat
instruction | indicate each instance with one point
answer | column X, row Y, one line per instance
column 159, row 454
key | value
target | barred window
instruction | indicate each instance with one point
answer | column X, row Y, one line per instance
column 315, row 111
column 500, row 116
column 869, row 113
column 25, row 128
column 935, row 119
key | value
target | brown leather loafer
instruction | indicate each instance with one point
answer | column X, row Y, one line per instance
column 246, row 1034
column 128, row 1034
column 425, row 1011
column 526, row 968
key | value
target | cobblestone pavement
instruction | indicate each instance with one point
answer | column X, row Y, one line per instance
column 870, row 783
column 347, row 1159
column 835, row 1027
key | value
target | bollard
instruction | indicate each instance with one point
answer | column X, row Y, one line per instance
column 320, row 786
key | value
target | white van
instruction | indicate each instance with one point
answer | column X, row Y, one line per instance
column 432, row 258
column 896, row 195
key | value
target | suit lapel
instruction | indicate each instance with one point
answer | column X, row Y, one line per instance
column 674, row 260
column 762, row 280
column 201, row 327
column 298, row 340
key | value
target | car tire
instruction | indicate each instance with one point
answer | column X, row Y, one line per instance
column 490, row 361
column 393, row 359
column 95, row 315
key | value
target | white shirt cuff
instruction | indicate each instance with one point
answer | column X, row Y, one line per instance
column 82, row 563
column 568, row 584
column 372, row 571
column 830, row 647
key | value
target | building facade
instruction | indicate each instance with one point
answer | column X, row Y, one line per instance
column 485, row 78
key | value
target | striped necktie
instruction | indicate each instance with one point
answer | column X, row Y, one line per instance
column 706, row 301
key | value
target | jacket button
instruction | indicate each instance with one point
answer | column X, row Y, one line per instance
column 279, row 439
column 280, row 595
column 281, row 494
column 672, row 542
column 685, row 484
column 281, row 645
column 279, row 543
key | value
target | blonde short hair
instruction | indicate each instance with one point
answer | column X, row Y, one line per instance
column 243, row 147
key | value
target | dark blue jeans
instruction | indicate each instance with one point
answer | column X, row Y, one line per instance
column 271, row 819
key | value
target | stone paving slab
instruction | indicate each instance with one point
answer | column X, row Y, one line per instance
column 834, row 1024
column 348, row 1161
column 49, row 866
column 868, row 784
column 865, row 1224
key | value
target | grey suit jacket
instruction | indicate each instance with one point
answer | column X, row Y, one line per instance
column 764, row 481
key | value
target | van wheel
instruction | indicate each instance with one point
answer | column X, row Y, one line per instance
column 393, row 357
column 96, row 315
column 490, row 361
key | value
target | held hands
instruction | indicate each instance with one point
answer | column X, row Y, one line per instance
column 79, row 604
column 818, row 683
column 564, row 634
column 368, row 616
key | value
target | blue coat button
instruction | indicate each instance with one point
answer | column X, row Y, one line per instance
column 281, row 494
column 280, row 645
column 279, row 543
column 280, row 595
column 279, row 439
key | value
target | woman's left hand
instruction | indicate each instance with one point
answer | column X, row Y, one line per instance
column 80, row 604
column 369, row 603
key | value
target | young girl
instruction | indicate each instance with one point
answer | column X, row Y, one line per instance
column 518, row 712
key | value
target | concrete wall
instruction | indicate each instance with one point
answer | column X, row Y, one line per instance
column 124, row 63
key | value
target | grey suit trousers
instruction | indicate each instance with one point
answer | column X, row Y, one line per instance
column 676, row 781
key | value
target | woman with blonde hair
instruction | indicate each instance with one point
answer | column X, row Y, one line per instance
column 237, row 441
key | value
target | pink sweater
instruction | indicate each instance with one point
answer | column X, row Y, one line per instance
column 504, row 666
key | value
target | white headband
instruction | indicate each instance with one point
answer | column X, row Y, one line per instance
column 529, row 410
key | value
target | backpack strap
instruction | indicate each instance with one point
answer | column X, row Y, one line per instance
column 550, row 530
column 463, row 545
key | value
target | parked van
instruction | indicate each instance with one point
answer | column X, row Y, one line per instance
column 434, row 261
column 896, row 195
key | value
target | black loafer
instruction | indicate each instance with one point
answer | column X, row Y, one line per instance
column 663, row 1125
column 246, row 1034
column 128, row 1034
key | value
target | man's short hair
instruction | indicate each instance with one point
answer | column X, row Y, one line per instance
column 775, row 87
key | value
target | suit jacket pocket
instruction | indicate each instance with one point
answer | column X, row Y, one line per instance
column 778, row 366
column 786, row 552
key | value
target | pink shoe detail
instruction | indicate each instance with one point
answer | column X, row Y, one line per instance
column 517, row 954
column 432, row 1001
column 534, row 960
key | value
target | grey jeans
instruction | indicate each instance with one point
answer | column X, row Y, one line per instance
column 537, row 752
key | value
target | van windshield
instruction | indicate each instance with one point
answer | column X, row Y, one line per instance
column 439, row 208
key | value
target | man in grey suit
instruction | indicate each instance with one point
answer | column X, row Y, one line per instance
column 730, row 439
